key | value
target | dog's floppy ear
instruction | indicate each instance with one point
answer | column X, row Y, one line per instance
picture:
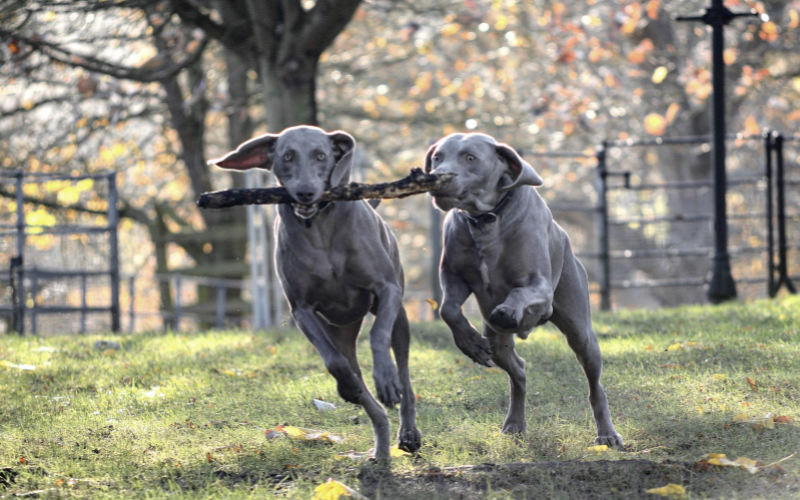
column 344, row 147
column 522, row 174
column 255, row 153
column 429, row 156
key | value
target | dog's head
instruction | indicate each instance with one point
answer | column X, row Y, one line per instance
column 305, row 160
column 485, row 170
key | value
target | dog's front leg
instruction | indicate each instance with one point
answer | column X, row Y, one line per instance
column 348, row 384
column 467, row 338
column 350, row 387
column 387, row 383
column 534, row 300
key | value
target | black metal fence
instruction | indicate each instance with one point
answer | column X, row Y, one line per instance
column 647, row 240
column 62, row 266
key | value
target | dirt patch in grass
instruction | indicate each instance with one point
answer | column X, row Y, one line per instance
column 585, row 480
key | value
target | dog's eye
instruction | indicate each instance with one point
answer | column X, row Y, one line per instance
column 471, row 158
column 321, row 156
column 287, row 157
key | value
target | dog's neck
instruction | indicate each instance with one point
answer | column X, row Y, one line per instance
column 491, row 216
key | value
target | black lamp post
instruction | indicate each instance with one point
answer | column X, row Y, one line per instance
column 721, row 287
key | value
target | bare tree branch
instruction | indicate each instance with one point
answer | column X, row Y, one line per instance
column 91, row 63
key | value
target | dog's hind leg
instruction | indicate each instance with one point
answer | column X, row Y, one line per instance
column 572, row 315
column 505, row 357
column 344, row 340
column 408, row 437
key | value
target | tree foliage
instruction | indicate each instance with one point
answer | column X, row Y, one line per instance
column 151, row 88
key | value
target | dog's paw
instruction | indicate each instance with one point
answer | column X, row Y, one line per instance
column 387, row 384
column 476, row 347
column 409, row 440
column 613, row 441
column 515, row 428
column 504, row 317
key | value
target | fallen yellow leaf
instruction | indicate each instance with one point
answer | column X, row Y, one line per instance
column 330, row 490
column 308, row 434
column 670, row 490
column 767, row 421
column 598, row 448
column 396, row 452
column 745, row 463
column 674, row 347
column 433, row 303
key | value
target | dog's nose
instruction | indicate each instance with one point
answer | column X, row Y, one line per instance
column 304, row 196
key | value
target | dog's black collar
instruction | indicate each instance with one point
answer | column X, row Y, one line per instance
column 490, row 216
column 322, row 205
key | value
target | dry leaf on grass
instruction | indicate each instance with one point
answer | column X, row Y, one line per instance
column 302, row 434
column 751, row 466
column 16, row 366
column 670, row 490
column 598, row 448
column 768, row 421
column 332, row 490
column 360, row 456
column 323, row 405
column 234, row 372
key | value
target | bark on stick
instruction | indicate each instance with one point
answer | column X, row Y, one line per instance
column 416, row 183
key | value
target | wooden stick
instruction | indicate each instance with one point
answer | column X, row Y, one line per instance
column 415, row 183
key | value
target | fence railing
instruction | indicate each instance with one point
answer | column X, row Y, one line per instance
column 23, row 275
column 773, row 216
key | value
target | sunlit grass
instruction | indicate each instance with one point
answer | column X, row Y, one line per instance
column 183, row 416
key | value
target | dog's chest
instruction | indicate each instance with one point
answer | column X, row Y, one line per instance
column 486, row 250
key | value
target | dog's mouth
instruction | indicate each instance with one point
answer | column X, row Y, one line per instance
column 444, row 201
column 305, row 211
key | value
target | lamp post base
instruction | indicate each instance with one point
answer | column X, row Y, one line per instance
column 721, row 286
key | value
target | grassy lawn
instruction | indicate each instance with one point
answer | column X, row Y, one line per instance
column 184, row 416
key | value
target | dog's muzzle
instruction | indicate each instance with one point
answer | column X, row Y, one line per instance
column 305, row 211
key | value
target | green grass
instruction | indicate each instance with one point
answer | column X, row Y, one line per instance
column 168, row 416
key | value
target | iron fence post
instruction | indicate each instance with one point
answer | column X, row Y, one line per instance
column 132, row 309
column 783, row 269
column 113, row 225
column 34, row 293
column 602, row 228
column 19, row 314
column 178, row 305
column 768, row 148
column 83, row 304
column 220, row 306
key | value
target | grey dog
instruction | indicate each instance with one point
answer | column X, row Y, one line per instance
column 502, row 245
column 337, row 262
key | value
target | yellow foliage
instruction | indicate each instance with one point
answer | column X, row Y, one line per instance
column 330, row 490
column 670, row 490
column 672, row 112
column 451, row 29
column 39, row 217
column 659, row 74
